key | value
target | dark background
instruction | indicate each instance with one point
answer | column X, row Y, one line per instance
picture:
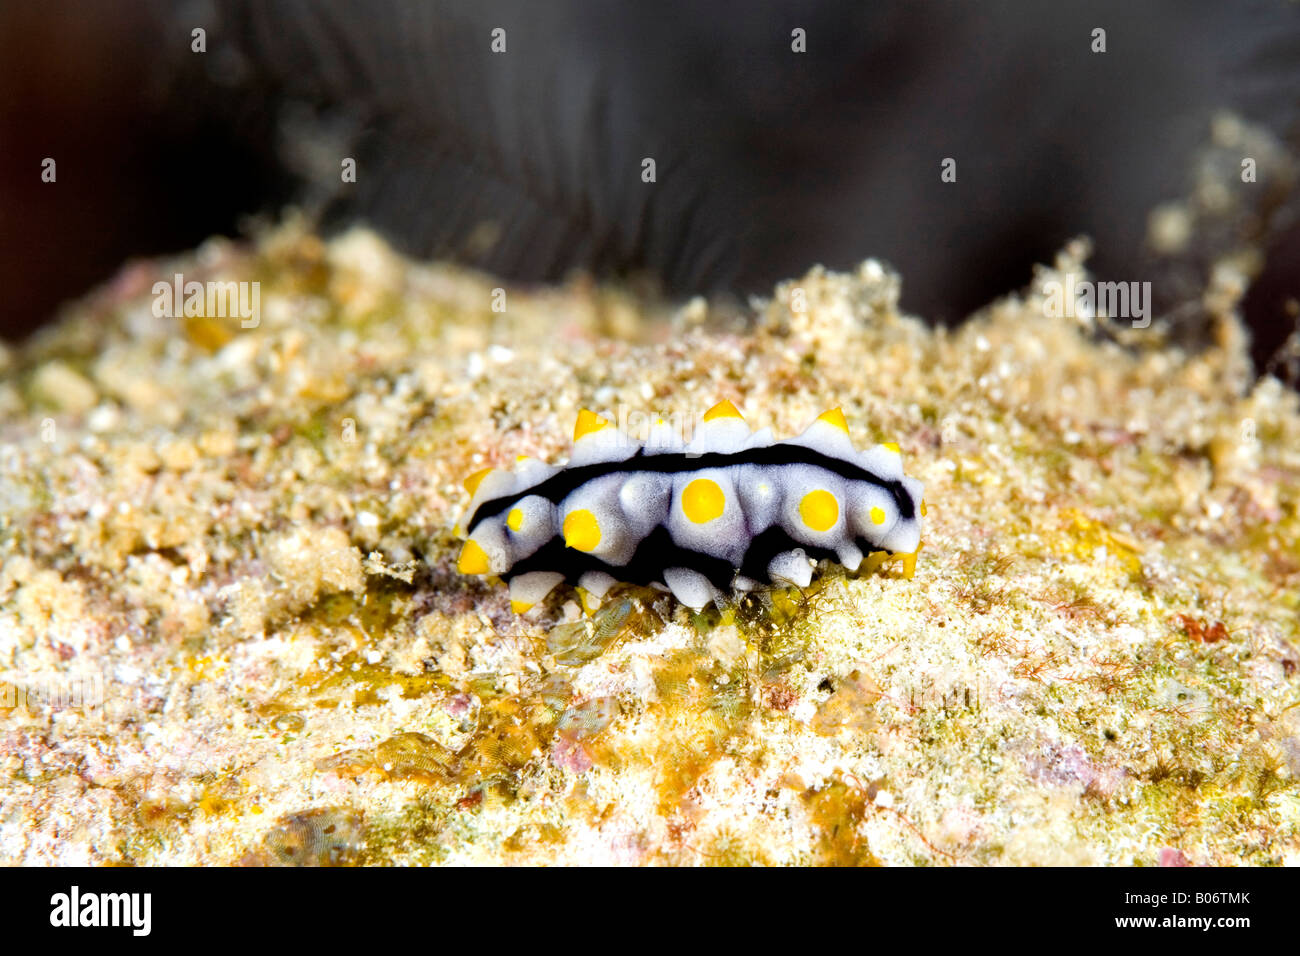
column 528, row 163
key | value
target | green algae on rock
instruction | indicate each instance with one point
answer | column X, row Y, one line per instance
column 246, row 536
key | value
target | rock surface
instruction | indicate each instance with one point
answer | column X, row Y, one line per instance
column 231, row 629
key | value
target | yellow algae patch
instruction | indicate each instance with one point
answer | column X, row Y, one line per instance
column 1085, row 536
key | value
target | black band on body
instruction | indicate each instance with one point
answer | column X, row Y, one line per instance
column 659, row 551
column 561, row 485
column 656, row 552
column 768, row 544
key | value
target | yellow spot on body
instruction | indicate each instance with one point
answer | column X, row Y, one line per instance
column 473, row 481
column 520, row 607
column 587, row 423
column 877, row 515
column 519, row 458
column 703, row 500
column 724, row 409
column 923, row 508
column 819, row 510
column 473, row 559
column 515, row 520
column 581, row 530
column 892, row 446
column 834, row 416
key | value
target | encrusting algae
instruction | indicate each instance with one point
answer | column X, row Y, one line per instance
column 232, row 629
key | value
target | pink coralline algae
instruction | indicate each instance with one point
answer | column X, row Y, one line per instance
column 1069, row 765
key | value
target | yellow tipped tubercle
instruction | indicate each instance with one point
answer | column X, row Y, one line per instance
column 835, row 417
column 909, row 561
column 587, row 423
column 581, row 530
column 724, row 409
column 473, row 481
column 473, row 559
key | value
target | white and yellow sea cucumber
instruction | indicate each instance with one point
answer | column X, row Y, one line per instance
column 730, row 509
